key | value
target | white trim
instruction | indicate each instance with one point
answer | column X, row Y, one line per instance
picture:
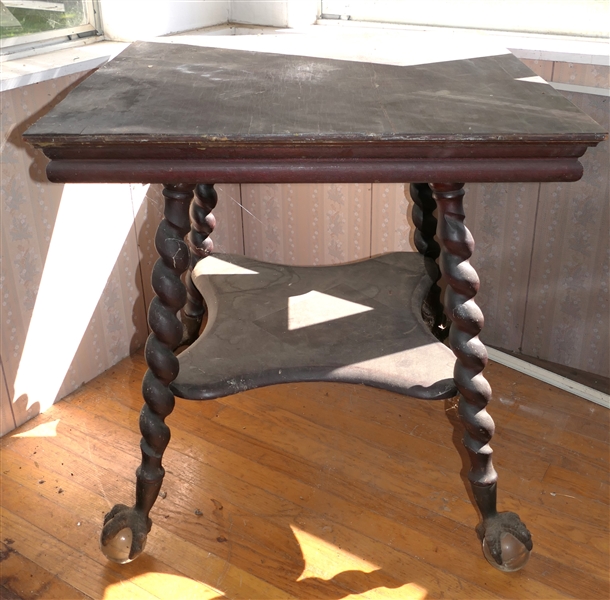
column 58, row 37
column 579, row 18
column 559, row 48
column 35, row 5
column 581, row 57
column 53, row 36
column 578, row 389
column 581, row 89
column 51, row 65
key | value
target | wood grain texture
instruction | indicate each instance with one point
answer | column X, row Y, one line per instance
column 23, row 579
column 354, row 323
column 217, row 97
column 271, row 494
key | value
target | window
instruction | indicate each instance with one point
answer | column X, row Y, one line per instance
column 24, row 23
column 586, row 18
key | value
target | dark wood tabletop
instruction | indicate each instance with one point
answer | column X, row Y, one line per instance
column 168, row 102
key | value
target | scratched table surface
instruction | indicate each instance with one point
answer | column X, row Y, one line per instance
column 160, row 93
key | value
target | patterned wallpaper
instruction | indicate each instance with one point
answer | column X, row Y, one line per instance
column 542, row 250
column 29, row 214
column 567, row 317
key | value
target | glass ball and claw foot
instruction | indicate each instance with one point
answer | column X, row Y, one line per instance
column 123, row 537
column 167, row 331
column 507, row 543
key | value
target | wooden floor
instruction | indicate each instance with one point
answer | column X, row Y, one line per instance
column 311, row 491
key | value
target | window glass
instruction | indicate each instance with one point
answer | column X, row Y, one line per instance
column 26, row 17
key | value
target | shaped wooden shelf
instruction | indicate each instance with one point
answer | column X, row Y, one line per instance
column 357, row 323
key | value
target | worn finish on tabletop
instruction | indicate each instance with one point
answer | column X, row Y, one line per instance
column 183, row 113
column 219, row 96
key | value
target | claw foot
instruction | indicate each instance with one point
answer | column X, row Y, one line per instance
column 506, row 541
column 124, row 534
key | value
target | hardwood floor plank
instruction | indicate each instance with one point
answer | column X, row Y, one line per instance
column 187, row 525
column 82, row 494
column 310, row 491
column 185, row 518
column 239, row 412
column 550, row 522
column 69, row 565
column 577, row 485
column 420, row 419
column 23, row 579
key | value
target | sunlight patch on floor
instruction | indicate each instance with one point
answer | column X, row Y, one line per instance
column 324, row 560
column 43, row 430
column 408, row 591
column 165, row 585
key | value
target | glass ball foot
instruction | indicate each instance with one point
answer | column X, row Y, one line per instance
column 514, row 554
column 117, row 549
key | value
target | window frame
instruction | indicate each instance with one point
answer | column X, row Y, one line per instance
column 55, row 37
column 352, row 10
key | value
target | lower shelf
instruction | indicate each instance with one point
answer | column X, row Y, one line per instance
column 355, row 323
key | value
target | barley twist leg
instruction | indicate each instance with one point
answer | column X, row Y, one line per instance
column 201, row 245
column 457, row 246
column 162, row 370
column 425, row 223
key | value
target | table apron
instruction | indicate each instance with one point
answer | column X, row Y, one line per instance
column 313, row 171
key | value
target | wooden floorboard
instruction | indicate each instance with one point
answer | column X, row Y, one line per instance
column 310, row 491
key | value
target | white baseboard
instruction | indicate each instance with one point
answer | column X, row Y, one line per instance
column 578, row 389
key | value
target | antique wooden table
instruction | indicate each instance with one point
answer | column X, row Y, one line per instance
column 189, row 117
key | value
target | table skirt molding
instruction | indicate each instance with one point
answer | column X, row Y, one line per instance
column 314, row 171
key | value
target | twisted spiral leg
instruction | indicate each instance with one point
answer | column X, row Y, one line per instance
column 457, row 246
column 200, row 245
column 162, row 370
column 425, row 222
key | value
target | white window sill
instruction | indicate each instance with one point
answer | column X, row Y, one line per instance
column 595, row 51
column 18, row 72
